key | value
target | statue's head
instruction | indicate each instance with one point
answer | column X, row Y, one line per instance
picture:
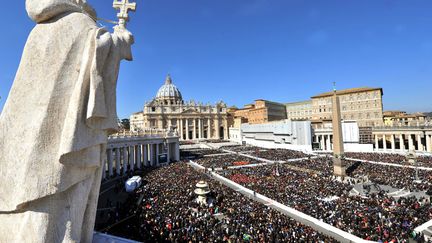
column 43, row 10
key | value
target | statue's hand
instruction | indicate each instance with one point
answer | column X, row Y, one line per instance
column 124, row 34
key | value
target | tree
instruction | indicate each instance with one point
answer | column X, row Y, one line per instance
column 125, row 123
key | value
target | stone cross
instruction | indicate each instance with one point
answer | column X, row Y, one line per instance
column 124, row 6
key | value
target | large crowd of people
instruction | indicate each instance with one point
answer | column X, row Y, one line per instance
column 241, row 149
column 425, row 161
column 224, row 161
column 397, row 177
column 377, row 217
column 279, row 154
column 199, row 153
column 165, row 210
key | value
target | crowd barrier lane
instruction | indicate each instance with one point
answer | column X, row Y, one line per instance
column 305, row 219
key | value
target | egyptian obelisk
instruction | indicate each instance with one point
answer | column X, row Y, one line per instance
column 338, row 149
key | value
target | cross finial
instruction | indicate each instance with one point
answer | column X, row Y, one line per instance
column 334, row 86
column 124, row 6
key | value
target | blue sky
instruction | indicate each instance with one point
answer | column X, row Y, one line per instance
column 280, row 50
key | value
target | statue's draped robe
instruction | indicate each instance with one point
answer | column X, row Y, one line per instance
column 54, row 125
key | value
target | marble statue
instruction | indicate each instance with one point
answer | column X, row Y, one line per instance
column 54, row 125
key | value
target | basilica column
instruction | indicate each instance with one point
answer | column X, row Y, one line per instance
column 110, row 161
column 401, row 143
column 209, row 128
column 169, row 123
column 393, row 145
column 181, row 129
column 125, row 160
column 376, row 142
column 217, row 126
column 410, row 143
column 328, row 143
column 419, row 142
column 225, row 129
column 118, row 158
column 199, row 128
column 194, row 129
column 160, row 123
column 385, row 142
column 139, row 158
column 187, row 128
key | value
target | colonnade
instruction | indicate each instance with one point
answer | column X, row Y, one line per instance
column 129, row 154
column 402, row 142
column 325, row 141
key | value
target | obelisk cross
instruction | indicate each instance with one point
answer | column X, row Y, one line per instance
column 124, row 6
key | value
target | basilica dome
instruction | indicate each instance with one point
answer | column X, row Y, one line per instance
column 169, row 91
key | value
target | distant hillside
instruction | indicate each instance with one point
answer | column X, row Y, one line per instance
column 429, row 114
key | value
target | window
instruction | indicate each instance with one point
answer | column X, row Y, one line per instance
column 153, row 109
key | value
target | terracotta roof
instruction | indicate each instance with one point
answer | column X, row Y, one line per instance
column 347, row 91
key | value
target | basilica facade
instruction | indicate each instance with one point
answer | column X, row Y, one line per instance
column 191, row 120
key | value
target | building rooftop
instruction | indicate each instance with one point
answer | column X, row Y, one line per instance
column 347, row 91
column 299, row 102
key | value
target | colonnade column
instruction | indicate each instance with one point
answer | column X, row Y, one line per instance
column 401, row 142
column 419, row 142
column 328, row 143
column 152, row 157
column 428, row 143
column 410, row 143
column 139, row 158
column 384, row 142
column 376, row 142
column 118, row 158
column 322, row 142
column 168, row 152
column 110, row 161
column 157, row 154
column 145, row 152
column 393, row 144
column 125, row 160
column 132, row 158
column 177, row 150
